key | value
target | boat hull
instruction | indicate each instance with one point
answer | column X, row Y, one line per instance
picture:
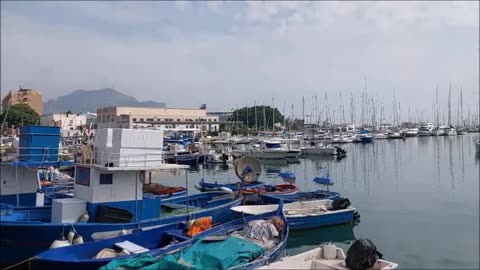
column 327, row 151
column 34, row 237
column 303, row 217
column 269, row 154
column 293, row 153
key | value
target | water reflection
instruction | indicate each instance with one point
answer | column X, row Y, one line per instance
column 301, row 240
column 450, row 164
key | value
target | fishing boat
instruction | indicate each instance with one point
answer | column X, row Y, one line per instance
column 219, row 153
column 328, row 256
column 154, row 242
column 426, row 129
column 395, row 135
column 233, row 245
column 411, row 132
column 324, row 193
column 108, row 198
column 379, row 136
column 229, row 187
column 281, row 190
column 441, row 131
column 307, row 214
column 187, row 159
column 451, row 132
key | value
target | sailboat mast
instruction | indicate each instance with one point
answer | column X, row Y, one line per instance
column 256, row 122
column 273, row 114
column 246, row 108
column 461, row 107
column 303, row 111
column 436, row 102
column 449, row 104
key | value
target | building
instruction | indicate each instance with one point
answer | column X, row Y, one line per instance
column 31, row 97
column 191, row 121
column 70, row 124
column 222, row 116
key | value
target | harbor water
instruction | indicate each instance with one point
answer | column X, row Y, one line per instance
column 418, row 198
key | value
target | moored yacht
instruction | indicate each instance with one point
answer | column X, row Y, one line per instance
column 270, row 150
column 411, row 132
column 452, row 132
column 426, row 129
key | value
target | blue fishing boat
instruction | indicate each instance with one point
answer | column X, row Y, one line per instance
column 108, row 199
column 324, row 193
column 309, row 214
column 226, row 246
column 188, row 159
column 154, row 242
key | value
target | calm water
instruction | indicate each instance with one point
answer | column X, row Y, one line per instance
column 418, row 199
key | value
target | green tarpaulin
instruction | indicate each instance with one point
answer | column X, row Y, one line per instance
column 224, row 254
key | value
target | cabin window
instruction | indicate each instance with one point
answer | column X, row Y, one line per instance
column 82, row 176
column 141, row 119
column 150, row 119
column 134, row 119
column 106, row 178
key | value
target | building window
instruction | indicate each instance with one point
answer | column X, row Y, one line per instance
column 106, row 178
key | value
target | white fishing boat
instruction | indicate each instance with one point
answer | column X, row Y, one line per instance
column 441, row 131
column 324, row 257
column 452, row 132
column 395, row 135
column 270, row 150
column 219, row 153
column 379, row 136
column 411, row 132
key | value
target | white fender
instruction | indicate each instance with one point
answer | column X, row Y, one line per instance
column 226, row 189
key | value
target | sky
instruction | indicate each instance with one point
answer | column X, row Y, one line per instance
column 229, row 54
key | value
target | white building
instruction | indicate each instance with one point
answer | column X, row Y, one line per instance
column 69, row 124
column 168, row 119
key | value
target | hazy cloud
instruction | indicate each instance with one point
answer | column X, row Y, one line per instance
column 227, row 53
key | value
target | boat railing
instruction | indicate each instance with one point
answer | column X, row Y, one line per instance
column 32, row 154
column 110, row 159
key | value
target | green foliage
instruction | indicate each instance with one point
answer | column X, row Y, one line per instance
column 18, row 115
column 262, row 122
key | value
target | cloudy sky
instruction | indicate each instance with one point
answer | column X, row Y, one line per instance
column 228, row 53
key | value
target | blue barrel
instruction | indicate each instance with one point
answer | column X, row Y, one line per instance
column 39, row 143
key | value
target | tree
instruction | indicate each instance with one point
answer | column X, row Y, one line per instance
column 262, row 121
column 19, row 115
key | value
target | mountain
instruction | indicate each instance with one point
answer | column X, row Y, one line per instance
column 90, row 100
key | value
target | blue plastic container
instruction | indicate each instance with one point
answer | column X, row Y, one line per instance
column 39, row 143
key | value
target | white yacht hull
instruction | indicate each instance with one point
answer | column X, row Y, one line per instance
column 266, row 154
column 327, row 151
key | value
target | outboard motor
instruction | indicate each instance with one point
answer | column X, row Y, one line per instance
column 362, row 255
column 341, row 203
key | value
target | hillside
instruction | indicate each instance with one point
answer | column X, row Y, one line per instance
column 90, row 100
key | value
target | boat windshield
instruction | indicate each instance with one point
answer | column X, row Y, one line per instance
column 273, row 145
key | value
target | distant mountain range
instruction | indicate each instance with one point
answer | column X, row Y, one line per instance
column 90, row 100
